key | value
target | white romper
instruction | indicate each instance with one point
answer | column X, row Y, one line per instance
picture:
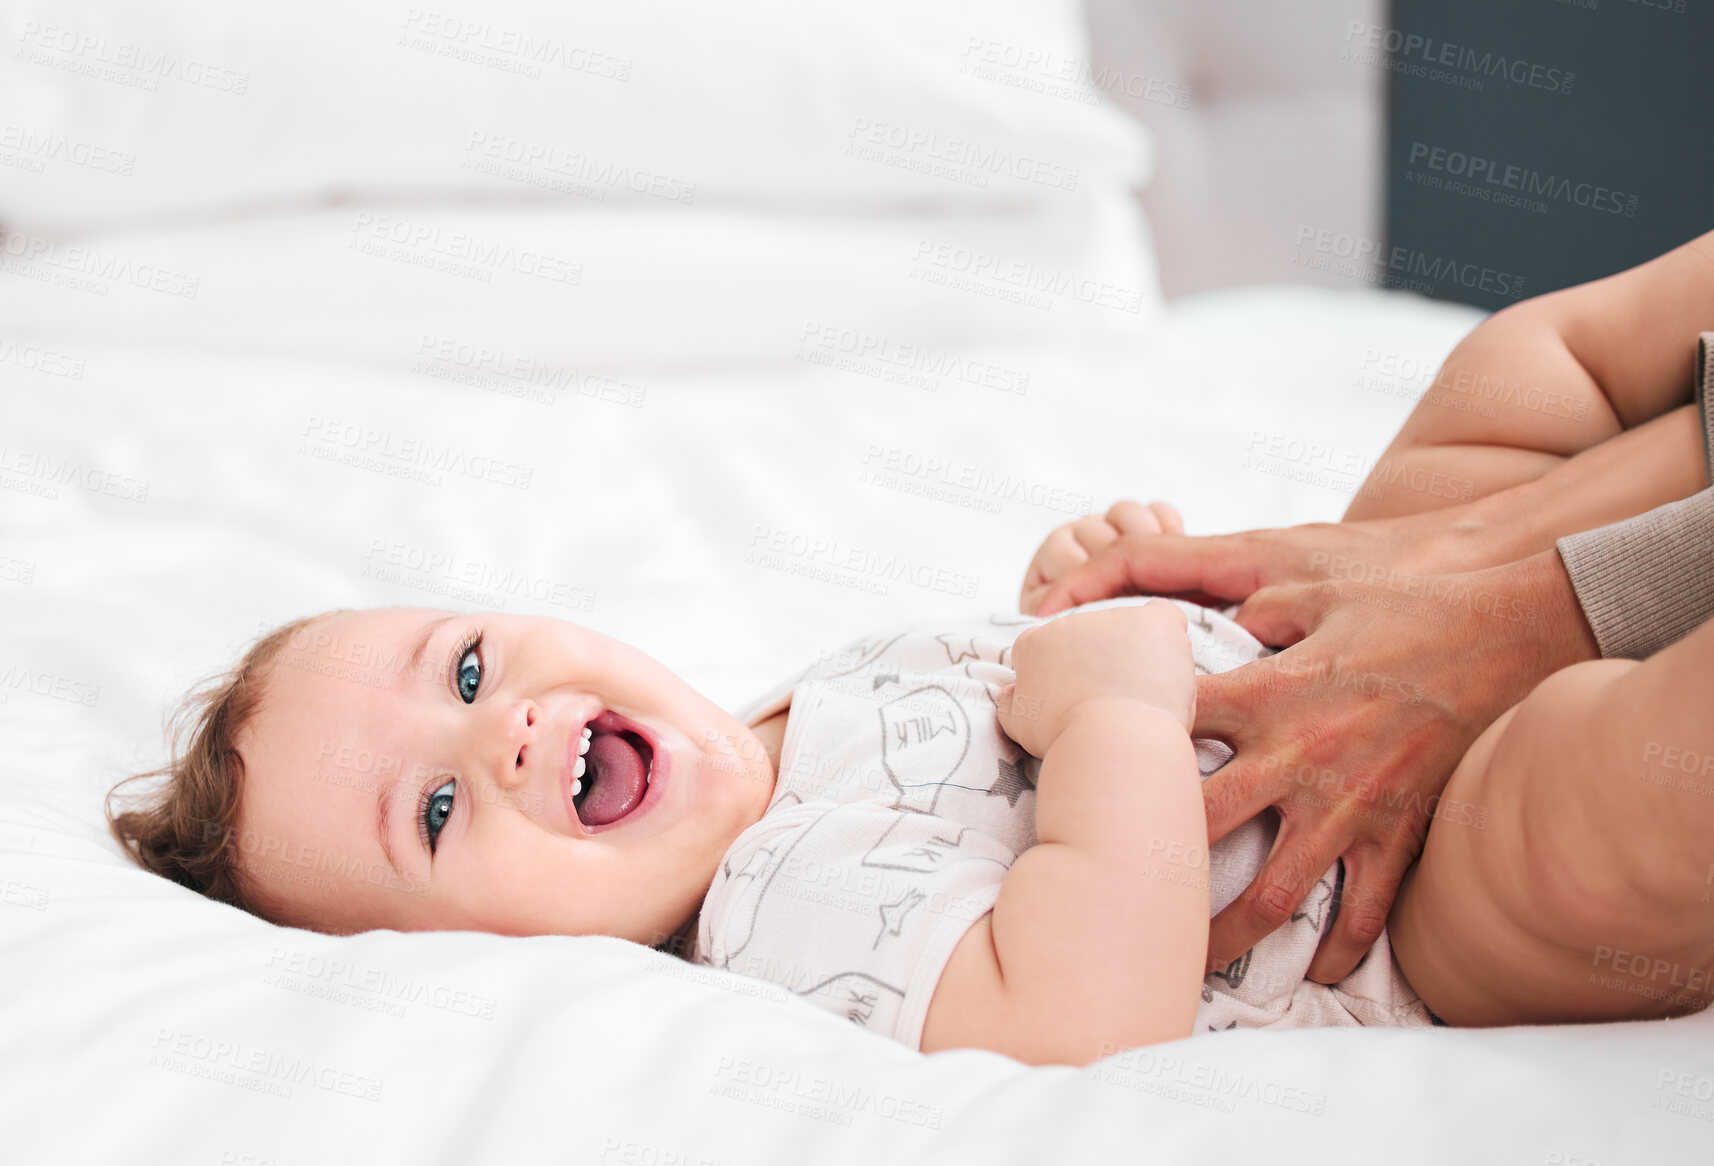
column 899, row 806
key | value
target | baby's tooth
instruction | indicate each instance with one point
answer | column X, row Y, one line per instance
column 588, row 732
column 576, row 788
column 583, row 747
column 580, row 768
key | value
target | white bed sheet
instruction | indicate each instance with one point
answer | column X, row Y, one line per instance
column 213, row 1037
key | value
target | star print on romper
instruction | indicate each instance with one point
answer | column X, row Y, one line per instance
column 1011, row 783
column 1234, row 972
column 1313, row 909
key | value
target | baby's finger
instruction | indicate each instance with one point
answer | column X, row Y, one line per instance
column 1015, row 720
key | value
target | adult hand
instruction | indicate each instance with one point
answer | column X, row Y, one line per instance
column 1080, row 563
column 1391, row 670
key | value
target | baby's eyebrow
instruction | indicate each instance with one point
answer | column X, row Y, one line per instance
column 384, row 826
column 422, row 646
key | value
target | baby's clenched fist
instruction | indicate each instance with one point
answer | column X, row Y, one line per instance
column 1139, row 653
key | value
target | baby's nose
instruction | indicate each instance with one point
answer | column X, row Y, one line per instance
column 516, row 775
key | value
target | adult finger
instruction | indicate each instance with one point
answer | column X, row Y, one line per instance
column 1239, row 790
column 1283, row 614
column 1373, row 873
column 1154, row 564
column 1298, row 860
column 1225, row 702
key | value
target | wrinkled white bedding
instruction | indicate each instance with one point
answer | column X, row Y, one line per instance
column 221, row 420
column 192, row 1018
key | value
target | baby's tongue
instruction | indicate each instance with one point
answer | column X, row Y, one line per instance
column 620, row 780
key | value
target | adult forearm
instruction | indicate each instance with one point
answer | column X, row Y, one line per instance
column 1655, row 463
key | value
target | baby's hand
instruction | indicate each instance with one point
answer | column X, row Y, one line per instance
column 1139, row 653
column 1071, row 545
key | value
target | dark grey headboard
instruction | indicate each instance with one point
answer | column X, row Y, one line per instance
column 1534, row 144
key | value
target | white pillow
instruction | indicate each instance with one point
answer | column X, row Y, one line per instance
column 494, row 296
column 116, row 111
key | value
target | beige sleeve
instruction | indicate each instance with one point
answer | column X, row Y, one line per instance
column 1648, row 581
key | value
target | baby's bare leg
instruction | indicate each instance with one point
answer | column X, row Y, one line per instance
column 1510, row 404
column 1546, row 379
column 1569, row 871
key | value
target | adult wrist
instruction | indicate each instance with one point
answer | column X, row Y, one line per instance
column 1475, row 536
column 1558, row 633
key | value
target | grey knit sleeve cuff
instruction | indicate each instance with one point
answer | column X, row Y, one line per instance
column 1648, row 581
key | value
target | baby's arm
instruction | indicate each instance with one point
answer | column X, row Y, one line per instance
column 1098, row 939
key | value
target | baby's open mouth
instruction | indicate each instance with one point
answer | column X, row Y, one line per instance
column 616, row 773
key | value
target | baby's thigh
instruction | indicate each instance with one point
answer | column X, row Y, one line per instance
column 1451, row 927
column 1509, row 912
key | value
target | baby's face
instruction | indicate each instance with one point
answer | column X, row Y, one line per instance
column 382, row 793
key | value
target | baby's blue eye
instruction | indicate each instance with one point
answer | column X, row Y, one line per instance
column 469, row 677
column 436, row 811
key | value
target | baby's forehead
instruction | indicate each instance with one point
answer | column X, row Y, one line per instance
column 345, row 687
column 373, row 638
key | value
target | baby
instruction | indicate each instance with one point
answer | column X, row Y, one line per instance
column 876, row 834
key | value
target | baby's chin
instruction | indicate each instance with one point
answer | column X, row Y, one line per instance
column 735, row 774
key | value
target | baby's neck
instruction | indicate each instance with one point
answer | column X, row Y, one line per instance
column 772, row 734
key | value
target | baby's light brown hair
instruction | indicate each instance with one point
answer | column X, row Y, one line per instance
column 190, row 831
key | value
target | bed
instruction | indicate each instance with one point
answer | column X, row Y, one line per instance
column 568, row 311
